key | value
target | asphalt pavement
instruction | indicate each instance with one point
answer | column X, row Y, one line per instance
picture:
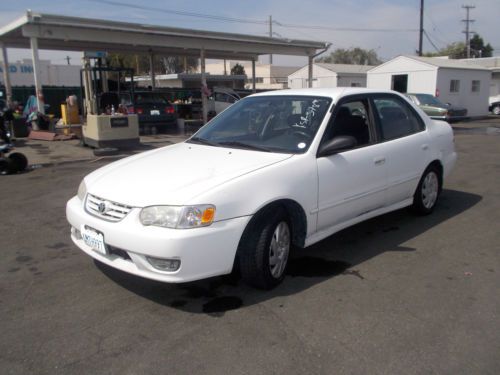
column 398, row 294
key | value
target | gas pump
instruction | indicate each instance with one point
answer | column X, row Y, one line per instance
column 107, row 122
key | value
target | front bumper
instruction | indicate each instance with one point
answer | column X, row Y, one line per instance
column 203, row 252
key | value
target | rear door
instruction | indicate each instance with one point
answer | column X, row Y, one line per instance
column 405, row 143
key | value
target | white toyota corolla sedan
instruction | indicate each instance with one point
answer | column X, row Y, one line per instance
column 274, row 171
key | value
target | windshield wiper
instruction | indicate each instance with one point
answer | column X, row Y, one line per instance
column 202, row 141
column 245, row 145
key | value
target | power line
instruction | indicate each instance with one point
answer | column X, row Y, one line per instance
column 181, row 13
column 361, row 29
column 248, row 21
column 430, row 41
column 436, row 29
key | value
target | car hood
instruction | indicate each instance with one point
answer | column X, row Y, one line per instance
column 175, row 174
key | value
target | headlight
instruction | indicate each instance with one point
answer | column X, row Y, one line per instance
column 82, row 190
column 180, row 217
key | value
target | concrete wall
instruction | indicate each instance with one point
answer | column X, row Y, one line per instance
column 21, row 74
column 475, row 102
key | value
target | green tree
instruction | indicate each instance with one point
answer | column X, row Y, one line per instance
column 458, row 50
column 355, row 56
column 237, row 70
column 478, row 48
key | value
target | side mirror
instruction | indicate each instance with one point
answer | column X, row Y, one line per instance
column 337, row 144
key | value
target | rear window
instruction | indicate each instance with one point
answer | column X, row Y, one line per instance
column 150, row 98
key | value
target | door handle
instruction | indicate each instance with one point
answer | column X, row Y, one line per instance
column 379, row 160
column 425, row 146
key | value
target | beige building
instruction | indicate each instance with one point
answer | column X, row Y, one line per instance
column 267, row 76
column 330, row 75
column 21, row 74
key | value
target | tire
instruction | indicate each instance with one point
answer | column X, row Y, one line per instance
column 427, row 192
column 264, row 249
column 19, row 161
column 6, row 166
column 496, row 109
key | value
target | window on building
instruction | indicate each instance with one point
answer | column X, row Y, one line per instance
column 455, row 85
column 355, row 84
column 476, row 85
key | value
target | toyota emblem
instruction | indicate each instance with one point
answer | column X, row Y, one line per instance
column 103, row 207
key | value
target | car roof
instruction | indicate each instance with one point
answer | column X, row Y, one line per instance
column 334, row 93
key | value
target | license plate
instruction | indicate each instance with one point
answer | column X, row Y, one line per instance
column 94, row 239
column 155, row 111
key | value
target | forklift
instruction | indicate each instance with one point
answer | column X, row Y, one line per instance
column 108, row 124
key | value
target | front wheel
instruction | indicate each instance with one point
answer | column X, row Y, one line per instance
column 264, row 249
column 496, row 109
column 427, row 193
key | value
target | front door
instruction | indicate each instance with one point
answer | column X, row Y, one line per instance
column 352, row 182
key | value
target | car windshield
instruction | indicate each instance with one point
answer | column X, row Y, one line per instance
column 425, row 99
column 284, row 123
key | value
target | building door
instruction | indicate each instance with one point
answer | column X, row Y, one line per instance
column 400, row 83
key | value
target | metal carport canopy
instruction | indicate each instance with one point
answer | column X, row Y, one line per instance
column 54, row 32
column 82, row 34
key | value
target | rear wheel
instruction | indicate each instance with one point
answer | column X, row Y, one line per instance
column 264, row 249
column 427, row 193
column 496, row 109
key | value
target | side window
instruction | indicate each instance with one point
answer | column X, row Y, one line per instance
column 396, row 118
column 455, row 85
column 351, row 119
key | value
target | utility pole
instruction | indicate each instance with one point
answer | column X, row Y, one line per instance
column 270, row 36
column 467, row 31
column 421, row 32
column 67, row 59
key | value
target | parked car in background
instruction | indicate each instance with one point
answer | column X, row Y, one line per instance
column 221, row 99
column 274, row 171
column 436, row 109
column 154, row 111
column 494, row 104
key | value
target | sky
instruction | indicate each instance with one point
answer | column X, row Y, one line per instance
column 390, row 27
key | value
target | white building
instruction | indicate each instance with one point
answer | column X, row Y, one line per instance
column 21, row 74
column 330, row 75
column 452, row 81
column 267, row 76
column 493, row 64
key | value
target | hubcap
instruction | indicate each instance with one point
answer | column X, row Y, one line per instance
column 279, row 250
column 430, row 188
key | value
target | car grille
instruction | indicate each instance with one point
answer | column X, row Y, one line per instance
column 112, row 211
